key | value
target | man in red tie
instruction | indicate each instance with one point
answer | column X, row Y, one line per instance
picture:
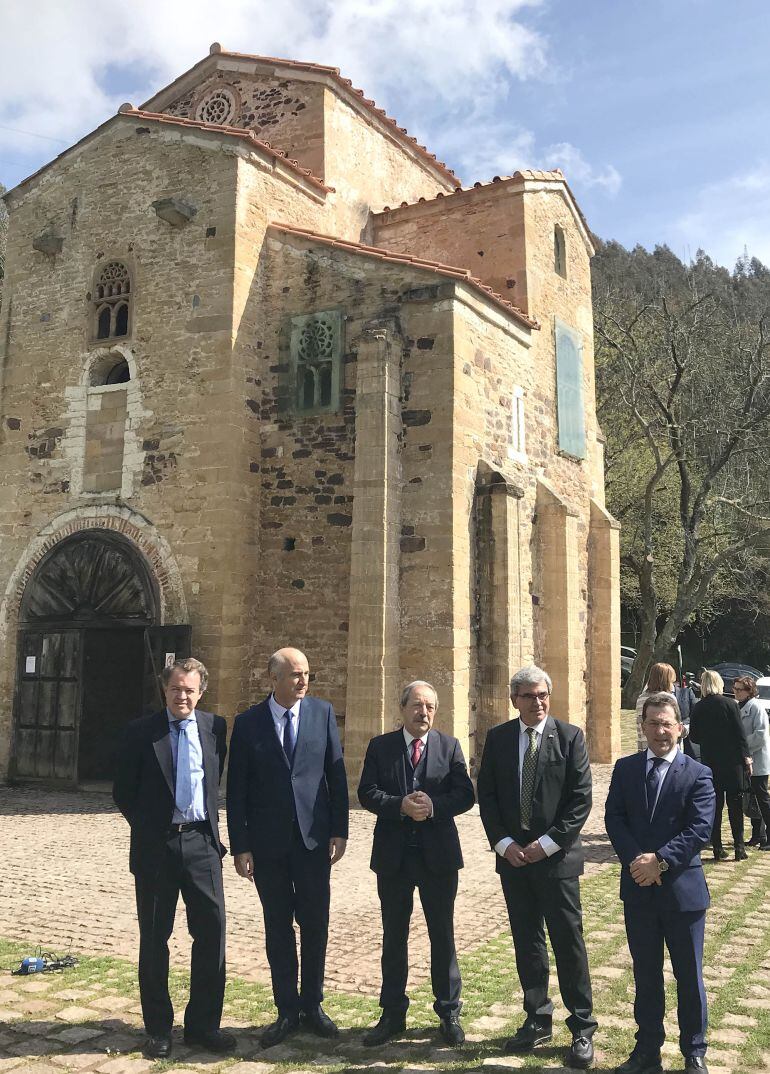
column 416, row 782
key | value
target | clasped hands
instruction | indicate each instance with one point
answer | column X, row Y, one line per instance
column 645, row 870
column 417, row 805
column 517, row 856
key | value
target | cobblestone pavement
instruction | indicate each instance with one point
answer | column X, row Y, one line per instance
column 65, row 881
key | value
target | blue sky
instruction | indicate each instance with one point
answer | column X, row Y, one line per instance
column 657, row 111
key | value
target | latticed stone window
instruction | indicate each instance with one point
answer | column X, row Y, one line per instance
column 112, row 302
column 315, row 359
column 560, row 251
column 219, row 106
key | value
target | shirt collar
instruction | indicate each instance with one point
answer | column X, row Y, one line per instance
column 173, row 721
column 409, row 739
column 539, row 727
column 278, row 710
column 670, row 756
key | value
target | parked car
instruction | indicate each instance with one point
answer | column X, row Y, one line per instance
column 627, row 657
column 731, row 671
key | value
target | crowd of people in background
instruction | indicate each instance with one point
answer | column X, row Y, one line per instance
column 731, row 736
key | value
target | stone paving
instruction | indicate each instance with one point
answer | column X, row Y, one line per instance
column 65, row 879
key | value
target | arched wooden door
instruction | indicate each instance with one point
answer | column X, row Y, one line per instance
column 89, row 654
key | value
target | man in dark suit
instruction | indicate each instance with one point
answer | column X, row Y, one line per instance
column 534, row 791
column 167, row 786
column 287, row 815
column 416, row 781
column 659, row 812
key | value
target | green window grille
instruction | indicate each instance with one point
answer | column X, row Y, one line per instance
column 569, row 391
column 316, row 358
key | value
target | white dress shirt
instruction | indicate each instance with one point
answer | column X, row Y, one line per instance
column 545, row 841
column 667, row 758
column 277, row 711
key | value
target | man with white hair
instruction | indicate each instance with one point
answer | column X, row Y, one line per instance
column 534, row 790
column 415, row 781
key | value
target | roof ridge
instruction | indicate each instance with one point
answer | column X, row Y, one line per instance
column 334, row 73
column 452, row 271
column 236, row 132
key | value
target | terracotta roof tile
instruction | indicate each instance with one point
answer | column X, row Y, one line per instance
column 556, row 175
column 450, row 271
column 235, row 132
column 345, row 83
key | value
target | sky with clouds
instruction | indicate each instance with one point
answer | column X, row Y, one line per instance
column 656, row 110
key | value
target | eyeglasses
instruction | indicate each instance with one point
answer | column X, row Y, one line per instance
column 542, row 696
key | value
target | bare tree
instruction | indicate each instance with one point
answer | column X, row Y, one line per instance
column 683, row 380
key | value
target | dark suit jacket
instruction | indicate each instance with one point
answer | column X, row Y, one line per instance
column 264, row 794
column 562, row 797
column 680, row 828
column 384, row 782
column 716, row 726
column 144, row 782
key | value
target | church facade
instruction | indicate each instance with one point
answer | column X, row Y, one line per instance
column 269, row 375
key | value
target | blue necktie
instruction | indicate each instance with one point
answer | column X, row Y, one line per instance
column 288, row 737
column 184, row 794
column 653, row 782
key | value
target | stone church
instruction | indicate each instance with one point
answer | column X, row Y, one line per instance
column 270, row 375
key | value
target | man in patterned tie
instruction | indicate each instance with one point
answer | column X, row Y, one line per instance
column 167, row 787
column 534, row 791
column 659, row 813
column 415, row 781
column 287, row 816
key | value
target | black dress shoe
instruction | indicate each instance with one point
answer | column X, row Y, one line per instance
column 530, row 1035
column 452, row 1031
column 719, row 855
column 740, row 855
column 216, row 1040
column 581, row 1053
column 641, row 1063
column 696, row 1062
column 157, row 1047
column 279, row 1030
column 391, row 1024
column 318, row 1022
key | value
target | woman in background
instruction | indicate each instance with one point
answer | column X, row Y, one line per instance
column 716, row 726
column 662, row 678
column 755, row 724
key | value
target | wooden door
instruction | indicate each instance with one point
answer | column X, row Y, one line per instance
column 47, row 704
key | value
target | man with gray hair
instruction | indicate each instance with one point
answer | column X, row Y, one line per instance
column 534, row 790
column 415, row 781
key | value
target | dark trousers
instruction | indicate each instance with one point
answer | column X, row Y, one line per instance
column 191, row 865
column 761, row 827
column 535, row 898
column 734, row 815
column 295, row 887
column 648, row 927
column 437, row 896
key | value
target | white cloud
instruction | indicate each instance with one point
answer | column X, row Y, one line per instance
column 729, row 216
column 579, row 171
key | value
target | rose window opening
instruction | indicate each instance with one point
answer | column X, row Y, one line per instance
column 218, row 107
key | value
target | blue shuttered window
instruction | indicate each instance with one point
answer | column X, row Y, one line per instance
column 569, row 388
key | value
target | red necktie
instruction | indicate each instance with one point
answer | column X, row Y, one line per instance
column 417, row 745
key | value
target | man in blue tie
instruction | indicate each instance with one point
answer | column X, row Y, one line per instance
column 659, row 812
column 287, row 817
column 167, row 786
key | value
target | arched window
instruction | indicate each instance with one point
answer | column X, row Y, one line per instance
column 112, row 302
column 108, row 385
column 559, row 251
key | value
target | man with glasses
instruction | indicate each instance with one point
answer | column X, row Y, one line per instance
column 167, row 787
column 534, row 791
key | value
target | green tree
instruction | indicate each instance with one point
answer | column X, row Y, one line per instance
column 683, row 390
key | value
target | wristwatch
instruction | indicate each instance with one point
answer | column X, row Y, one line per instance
column 662, row 864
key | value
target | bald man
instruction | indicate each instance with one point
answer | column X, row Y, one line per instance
column 287, row 817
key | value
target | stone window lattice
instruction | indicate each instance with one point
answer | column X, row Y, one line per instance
column 315, row 355
column 219, row 106
column 112, row 302
column 559, row 251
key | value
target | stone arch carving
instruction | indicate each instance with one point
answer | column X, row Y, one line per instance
column 121, row 520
